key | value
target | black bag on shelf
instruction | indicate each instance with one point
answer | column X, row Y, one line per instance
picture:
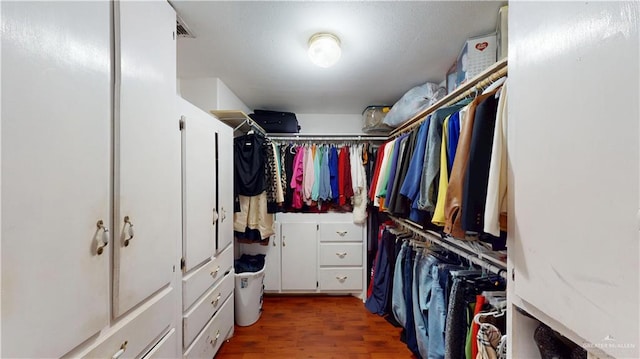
column 275, row 121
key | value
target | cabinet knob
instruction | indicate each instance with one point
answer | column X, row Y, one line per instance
column 128, row 230
column 215, row 340
column 102, row 237
column 215, row 272
column 223, row 214
column 215, row 216
column 119, row 353
column 341, row 279
column 215, row 301
column 341, row 233
column 341, row 255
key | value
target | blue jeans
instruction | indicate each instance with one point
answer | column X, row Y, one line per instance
column 437, row 312
column 398, row 304
column 410, row 329
column 422, row 285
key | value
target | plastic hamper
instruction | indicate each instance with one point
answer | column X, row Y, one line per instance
column 248, row 297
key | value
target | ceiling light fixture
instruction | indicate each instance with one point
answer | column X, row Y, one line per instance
column 324, row 49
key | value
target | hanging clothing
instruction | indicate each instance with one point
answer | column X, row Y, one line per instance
column 438, row 215
column 309, row 174
column 495, row 214
column 333, row 174
column 249, row 159
column 252, row 223
column 317, row 159
column 325, row 176
column 453, row 131
column 454, row 197
column 431, row 163
column 297, row 179
column 474, row 194
column 411, row 185
column 359, row 182
column 344, row 176
column 376, row 172
column 399, row 204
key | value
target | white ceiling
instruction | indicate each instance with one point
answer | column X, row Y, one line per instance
column 258, row 48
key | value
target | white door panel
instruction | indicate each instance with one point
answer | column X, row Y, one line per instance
column 573, row 148
column 199, row 185
column 299, row 256
column 148, row 157
column 225, row 185
column 56, row 123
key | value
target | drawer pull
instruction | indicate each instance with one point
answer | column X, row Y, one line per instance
column 341, row 233
column 101, row 240
column 215, row 340
column 341, row 255
column 127, row 221
column 215, row 216
column 119, row 353
column 223, row 214
column 341, row 279
column 283, row 244
column 215, row 301
column 215, row 272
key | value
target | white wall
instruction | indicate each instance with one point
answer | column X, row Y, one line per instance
column 210, row 93
column 330, row 124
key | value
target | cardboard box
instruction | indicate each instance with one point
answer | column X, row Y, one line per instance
column 477, row 54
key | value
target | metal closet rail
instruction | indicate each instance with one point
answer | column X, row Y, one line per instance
column 489, row 263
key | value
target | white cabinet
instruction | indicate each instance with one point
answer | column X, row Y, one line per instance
column 299, row 256
column 207, row 209
column 89, row 134
column 147, row 157
column 574, row 159
column 56, row 123
column 314, row 253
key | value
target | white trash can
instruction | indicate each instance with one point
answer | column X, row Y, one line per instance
column 248, row 297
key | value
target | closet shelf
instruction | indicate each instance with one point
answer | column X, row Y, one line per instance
column 238, row 120
column 477, row 84
column 487, row 260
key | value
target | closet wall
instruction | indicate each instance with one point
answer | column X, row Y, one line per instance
column 574, row 174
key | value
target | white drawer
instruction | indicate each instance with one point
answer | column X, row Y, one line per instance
column 341, row 254
column 198, row 316
column 197, row 282
column 340, row 232
column 166, row 347
column 343, row 279
column 146, row 326
column 214, row 333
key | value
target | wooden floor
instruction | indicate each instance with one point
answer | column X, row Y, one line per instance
column 316, row 327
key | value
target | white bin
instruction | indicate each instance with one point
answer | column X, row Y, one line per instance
column 248, row 297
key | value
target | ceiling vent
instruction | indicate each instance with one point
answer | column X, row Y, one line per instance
column 183, row 30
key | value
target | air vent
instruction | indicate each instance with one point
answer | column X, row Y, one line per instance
column 183, row 30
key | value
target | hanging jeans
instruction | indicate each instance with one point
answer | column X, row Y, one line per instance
column 398, row 305
column 410, row 329
column 456, row 326
column 437, row 310
column 381, row 282
column 422, row 285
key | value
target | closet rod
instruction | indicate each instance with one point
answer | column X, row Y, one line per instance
column 251, row 123
column 477, row 84
column 470, row 256
column 328, row 138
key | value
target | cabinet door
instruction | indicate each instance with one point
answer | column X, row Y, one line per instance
column 574, row 158
column 56, row 123
column 299, row 256
column 225, row 184
column 199, row 212
column 147, row 160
